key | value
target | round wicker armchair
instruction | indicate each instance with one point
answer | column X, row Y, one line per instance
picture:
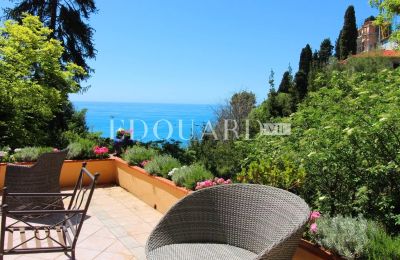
column 235, row 222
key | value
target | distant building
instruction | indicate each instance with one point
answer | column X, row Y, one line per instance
column 372, row 37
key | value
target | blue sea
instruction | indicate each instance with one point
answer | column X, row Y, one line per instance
column 148, row 122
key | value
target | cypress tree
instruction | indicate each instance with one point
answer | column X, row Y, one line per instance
column 301, row 83
column 348, row 39
column 305, row 59
column 337, row 46
column 286, row 83
column 325, row 51
column 315, row 60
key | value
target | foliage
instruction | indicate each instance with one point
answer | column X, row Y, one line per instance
column 349, row 34
column 337, row 46
column 233, row 116
column 355, row 238
column 29, row 154
column 81, row 149
column 305, row 59
column 325, row 51
column 173, row 148
column 137, row 154
column 33, row 83
column 188, row 176
column 388, row 11
column 68, row 22
column 301, row 85
column 345, row 136
column 286, row 82
column 161, row 165
column 5, row 154
column 278, row 172
column 343, row 235
column 381, row 245
column 221, row 158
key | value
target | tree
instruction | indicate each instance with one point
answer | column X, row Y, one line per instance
column 305, row 59
column 286, row 83
column 235, row 112
column 349, row 34
column 325, row 51
column 388, row 10
column 337, row 46
column 68, row 21
column 301, row 84
column 271, row 79
column 33, row 83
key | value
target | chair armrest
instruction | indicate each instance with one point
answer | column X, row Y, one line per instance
column 16, row 169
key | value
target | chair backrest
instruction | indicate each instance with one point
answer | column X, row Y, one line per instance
column 43, row 176
column 249, row 216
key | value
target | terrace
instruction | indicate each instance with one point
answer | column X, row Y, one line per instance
column 119, row 222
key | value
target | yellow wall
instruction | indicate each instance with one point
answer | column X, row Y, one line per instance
column 157, row 192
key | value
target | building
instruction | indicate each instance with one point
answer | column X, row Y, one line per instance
column 368, row 37
column 372, row 37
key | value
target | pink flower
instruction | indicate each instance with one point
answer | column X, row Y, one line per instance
column 313, row 228
column 314, row 215
column 228, row 181
column 100, row 150
column 220, row 181
column 55, row 150
column 144, row 163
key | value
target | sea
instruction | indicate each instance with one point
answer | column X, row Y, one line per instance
column 147, row 121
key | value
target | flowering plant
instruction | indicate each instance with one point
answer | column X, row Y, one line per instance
column 143, row 163
column 312, row 220
column 212, row 182
column 101, row 152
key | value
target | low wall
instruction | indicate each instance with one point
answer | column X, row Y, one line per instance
column 157, row 192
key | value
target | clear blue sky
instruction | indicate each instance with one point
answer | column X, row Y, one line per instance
column 202, row 51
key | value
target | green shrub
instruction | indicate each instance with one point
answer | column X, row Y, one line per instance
column 137, row 154
column 161, row 165
column 344, row 236
column 381, row 245
column 5, row 154
column 30, row 154
column 281, row 173
column 81, row 150
column 188, row 176
column 356, row 238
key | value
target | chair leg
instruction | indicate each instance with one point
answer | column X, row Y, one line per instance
column 73, row 254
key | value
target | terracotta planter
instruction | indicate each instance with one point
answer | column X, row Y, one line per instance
column 71, row 168
column 310, row 251
column 157, row 192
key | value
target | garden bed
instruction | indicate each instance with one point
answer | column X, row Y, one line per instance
column 310, row 251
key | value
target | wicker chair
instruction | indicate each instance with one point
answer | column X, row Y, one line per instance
column 43, row 176
column 235, row 222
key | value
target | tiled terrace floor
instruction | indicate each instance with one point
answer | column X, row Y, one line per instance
column 117, row 228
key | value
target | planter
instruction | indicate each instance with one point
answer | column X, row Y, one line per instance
column 71, row 168
column 157, row 192
column 310, row 251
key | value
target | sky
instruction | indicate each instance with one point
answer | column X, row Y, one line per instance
column 203, row 51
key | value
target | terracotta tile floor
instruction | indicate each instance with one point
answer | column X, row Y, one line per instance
column 117, row 228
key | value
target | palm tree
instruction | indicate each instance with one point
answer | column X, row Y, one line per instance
column 68, row 20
